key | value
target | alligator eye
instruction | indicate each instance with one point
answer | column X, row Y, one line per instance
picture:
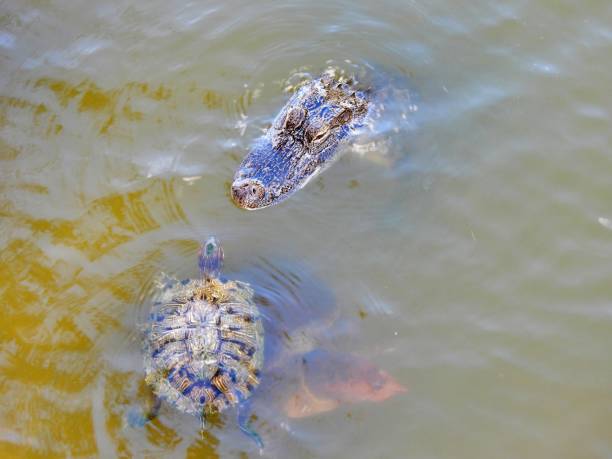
column 316, row 134
column 345, row 116
column 295, row 117
column 321, row 136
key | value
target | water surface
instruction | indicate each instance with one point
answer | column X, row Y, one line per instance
column 476, row 270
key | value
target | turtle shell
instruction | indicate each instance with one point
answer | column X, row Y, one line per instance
column 204, row 345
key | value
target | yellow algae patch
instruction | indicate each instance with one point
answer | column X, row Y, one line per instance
column 25, row 304
column 115, row 219
column 15, row 102
column 131, row 114
column 119, row 392
column 53, row 320
column 142, row 87
column 107, row 124
column 20, row 323
column 164, row 436
column 111, row 108
column 65, row 335
column 74, row 430
column 33, row 188
column 96, row 100
column 40, row 109
column 24, row 451
column 24, row 300
column 47, row 348
column 39, row 113
column 20, row 260
column 7, row 152
column 62, row 90
column 64, row 429
column 203, row 447
column 42, row 275
column 122, row 285
column 66, row 371
column 7, row 103
column 110, row 112
column 89, row 98
column 161, row 93
column 59, row 229
column 112, row 105
column 53, row 127
column 212, row 99
column 115, row 396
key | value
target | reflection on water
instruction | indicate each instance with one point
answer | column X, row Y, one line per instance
column 473, row 268
column 58, row 304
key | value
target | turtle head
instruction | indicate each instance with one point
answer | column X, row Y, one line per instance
column 210, row 258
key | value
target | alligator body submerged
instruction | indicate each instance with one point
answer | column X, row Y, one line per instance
column 304, row 138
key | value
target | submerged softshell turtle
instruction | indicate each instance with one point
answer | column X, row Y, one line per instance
column 205, row 351
column 305, row 373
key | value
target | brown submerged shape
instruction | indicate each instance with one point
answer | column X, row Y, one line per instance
column 330, row 380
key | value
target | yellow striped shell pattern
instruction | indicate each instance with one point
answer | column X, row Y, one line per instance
column 204, row 345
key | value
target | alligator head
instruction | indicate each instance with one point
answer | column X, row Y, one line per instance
column 303, row 139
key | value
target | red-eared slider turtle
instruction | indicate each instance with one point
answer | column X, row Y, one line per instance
column 204, row 343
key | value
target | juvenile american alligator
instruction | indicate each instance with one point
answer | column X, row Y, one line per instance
column 304, row 138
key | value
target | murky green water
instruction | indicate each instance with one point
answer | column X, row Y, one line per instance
column 476, row 271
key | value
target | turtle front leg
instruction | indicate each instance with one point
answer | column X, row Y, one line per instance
column 244, row 414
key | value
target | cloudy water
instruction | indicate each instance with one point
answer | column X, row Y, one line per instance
column 466, row 251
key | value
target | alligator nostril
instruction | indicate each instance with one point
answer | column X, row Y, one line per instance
column 247, row 193
column 237, row 193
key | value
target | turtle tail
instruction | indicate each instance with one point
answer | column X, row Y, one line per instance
column 210, row 259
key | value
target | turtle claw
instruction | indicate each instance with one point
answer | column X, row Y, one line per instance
column 245, row 425
column 253, row 436
column 139, row 417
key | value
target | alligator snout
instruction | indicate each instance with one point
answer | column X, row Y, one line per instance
column 248, row 193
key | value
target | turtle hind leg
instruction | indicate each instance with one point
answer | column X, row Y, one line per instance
column 136, row 418
column 244, row 413
column 139, row 417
